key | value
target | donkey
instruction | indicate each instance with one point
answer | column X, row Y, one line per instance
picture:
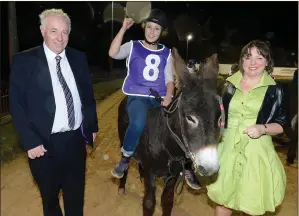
column 185, row 131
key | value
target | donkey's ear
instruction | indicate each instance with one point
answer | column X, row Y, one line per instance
column 209, row 72
column 180, row 66
column 210, row 69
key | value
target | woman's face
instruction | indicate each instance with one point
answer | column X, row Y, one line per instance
column 254, row 63
column 152, row 31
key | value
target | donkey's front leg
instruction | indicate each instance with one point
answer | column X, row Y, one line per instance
column 122, row 182
column 168, row 196
column 149, row 199
column 141, row 172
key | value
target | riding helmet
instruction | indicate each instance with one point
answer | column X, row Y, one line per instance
column 159, row 17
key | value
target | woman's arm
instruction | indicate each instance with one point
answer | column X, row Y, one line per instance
column 168, row 81
column 170, row 89
column 272, row 129
column 256, row 131
column 116, row 43
column 281, row 110
column 277, row 124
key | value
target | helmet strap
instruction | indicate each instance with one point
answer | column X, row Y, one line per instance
column 151, row 43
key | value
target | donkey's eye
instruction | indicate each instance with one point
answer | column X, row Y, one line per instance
column 192, row 120
column 189, row 118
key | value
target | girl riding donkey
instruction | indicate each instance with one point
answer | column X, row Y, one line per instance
column 149, row 65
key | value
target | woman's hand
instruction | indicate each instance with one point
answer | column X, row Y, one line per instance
column 128, row 22
column 255, row 131
column 166, row 101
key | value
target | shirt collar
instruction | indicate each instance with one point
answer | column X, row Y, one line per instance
column 50, row 55
column 266, row 80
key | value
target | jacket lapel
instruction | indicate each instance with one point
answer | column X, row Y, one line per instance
column 45, row 78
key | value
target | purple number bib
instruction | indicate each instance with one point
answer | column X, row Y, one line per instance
column 145, row 70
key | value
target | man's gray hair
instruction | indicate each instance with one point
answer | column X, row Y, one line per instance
column 54, row 12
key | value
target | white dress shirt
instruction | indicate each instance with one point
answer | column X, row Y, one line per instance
column 61, row 117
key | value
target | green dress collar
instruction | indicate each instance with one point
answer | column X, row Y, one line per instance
column 266, row 80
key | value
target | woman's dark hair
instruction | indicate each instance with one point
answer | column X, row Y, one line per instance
column 234, row 68
column 263, row 49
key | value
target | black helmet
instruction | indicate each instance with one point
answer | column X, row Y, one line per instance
column 157, row 16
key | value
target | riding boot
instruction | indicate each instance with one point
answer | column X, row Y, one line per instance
column 191, row 178
column 119, row 170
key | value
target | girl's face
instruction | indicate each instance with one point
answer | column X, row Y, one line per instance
column 152, row 31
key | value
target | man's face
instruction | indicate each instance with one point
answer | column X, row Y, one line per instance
column 55, row 33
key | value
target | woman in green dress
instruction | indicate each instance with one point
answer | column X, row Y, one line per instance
column 251, row 177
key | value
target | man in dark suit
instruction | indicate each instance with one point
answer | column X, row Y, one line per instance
column 54, row 111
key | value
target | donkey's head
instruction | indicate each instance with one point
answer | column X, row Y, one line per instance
column 199, row 111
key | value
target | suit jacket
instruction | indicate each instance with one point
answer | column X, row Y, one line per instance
column 32, row 103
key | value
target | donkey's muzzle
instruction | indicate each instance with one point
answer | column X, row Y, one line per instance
column 206, row 161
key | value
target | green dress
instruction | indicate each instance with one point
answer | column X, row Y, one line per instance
column 251, row 178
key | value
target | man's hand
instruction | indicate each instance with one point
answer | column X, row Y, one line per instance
column 94, row 136
column 36, row 152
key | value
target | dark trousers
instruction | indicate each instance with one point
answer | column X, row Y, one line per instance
column 293, row 143
column 292, row 134
column 61, row 168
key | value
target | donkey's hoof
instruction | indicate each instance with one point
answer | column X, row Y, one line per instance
column 121, row 190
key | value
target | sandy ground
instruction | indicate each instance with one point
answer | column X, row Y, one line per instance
column 20, row 196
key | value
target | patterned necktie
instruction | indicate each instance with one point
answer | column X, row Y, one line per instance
column 67, row 94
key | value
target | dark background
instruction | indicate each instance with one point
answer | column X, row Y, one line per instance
column 222, row 27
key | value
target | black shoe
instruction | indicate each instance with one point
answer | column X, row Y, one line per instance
column 119, row 170
column 191, row 179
